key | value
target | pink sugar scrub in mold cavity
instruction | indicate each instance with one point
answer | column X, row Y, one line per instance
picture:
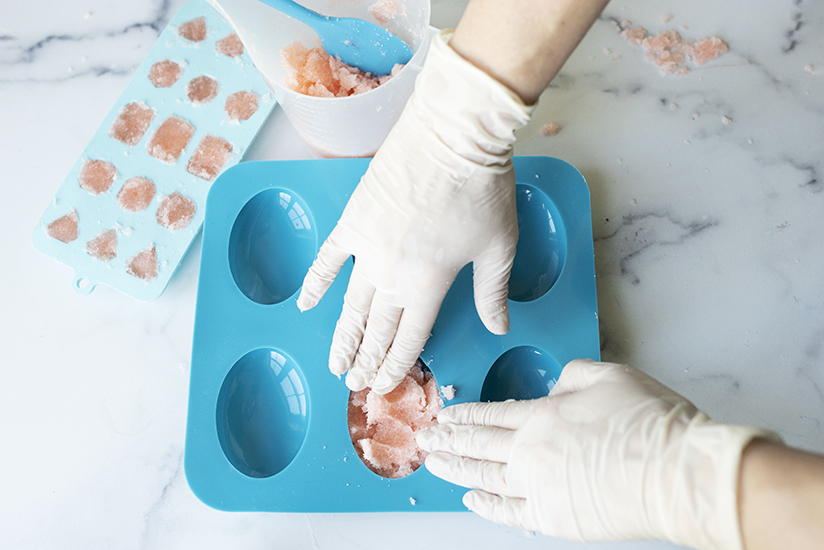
column 169, row 140
column 670, row 52
column 314, row 72
column 136, row 194
column 383, row 427
column 164, row 74
column 64, row 228
column 229, row 45
column 104, row 246
column 193, row 30
column 132, row 122
column 241, row 106
column 202, row 89
column 143, row 265
column 175, row 212
column 96, row 176
column 208, row 159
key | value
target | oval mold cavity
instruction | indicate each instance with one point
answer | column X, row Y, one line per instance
column 262, row 413
column 525, row 372
column 272, row 246
column 542, row 245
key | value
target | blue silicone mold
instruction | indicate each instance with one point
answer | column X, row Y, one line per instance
column 267, row 425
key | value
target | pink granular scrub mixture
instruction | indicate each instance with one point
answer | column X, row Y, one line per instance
column 314, row 72
column 383, row 427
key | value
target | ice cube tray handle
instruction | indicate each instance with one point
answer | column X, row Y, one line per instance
column 356, row 42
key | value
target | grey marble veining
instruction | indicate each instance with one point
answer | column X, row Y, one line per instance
column 709, row 260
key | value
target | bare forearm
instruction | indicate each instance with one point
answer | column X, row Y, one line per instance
column 782, row 498
column 523, row 43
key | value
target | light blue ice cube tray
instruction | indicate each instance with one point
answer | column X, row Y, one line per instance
column 267, row 423
column 136, row 232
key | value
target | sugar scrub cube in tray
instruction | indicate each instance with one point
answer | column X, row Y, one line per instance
column 269, row 428
column 135, row 199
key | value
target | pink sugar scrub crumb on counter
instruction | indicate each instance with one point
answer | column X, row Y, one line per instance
column 104, row 246
column 143, row 265
column 175, row 212
column 382, row 427
column 550, row 129
column 132, row 122
column 669, row 52
column 64, row 228
column 314, row 72
column 96, row 176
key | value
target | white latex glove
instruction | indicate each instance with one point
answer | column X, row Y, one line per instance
column 610, row 454
column 440, row 193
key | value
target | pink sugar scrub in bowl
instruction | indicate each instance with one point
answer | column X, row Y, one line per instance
column 350, row 113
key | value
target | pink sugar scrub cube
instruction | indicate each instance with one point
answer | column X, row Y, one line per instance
column 64, row 228
column 132, row 122
column 382, row 427
column 241, row 105
column 211, row 155
column 143, row 265
column 229, row 45
column 96, row 176
column 202, row 89
column 104, row 246
column 164, row 74
column 175, row 212
column 136, row 194
column 194, row 30
column 169, row 140
column 314, row 72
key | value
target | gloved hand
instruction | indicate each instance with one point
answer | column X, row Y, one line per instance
column 440, row 193
column 610, row 454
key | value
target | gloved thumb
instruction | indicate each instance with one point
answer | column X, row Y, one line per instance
column 491, row 281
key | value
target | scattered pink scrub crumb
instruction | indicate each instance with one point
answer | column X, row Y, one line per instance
column 143, row 265
column 550, row 129
column 229, row 45
column 211, row 155
column 382, row 427
column 169, row 140
column 164, row 74
column 666, row 19
column 670, row 52
column 96, row 176
column 64, row 228
column 448, row 392
column 175, row 212
column 136, row 194
column 202, row 89
column 193, row 30
column 809, row 68
column 725, row 119
column 384, row 10
column 241, row 105
column 314, row 72
column 104, row 246
column 132, row 122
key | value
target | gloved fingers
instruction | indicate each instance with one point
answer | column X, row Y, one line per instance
column 491, row 283
column 322, row 273
column 467, row 472
column 480, row 442
column 578, row 375
column 381, row 327
column 502, row 414
column 507, row 510
column 413, row 332
column 350, row 327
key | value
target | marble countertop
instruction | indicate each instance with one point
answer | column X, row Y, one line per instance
column 707, row 198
